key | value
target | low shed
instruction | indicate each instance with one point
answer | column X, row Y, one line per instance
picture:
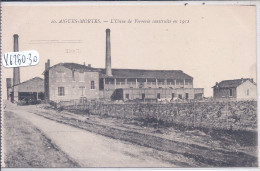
column 29, row 91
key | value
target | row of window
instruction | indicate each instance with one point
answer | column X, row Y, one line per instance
column 149, row 83
column 61, row 90
column 159, row 96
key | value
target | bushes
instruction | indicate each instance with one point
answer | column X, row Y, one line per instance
column 240, row 115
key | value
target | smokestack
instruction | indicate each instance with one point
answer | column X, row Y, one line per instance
column 108, row 54
column 16, row 73
column 46, row 65
column 49, row 63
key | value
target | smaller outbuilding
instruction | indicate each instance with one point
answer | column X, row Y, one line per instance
column 244, row 88
column 28, row 92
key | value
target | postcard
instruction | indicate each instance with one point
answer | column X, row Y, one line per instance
column 88, row 85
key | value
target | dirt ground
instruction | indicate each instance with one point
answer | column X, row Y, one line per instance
column 27, row 146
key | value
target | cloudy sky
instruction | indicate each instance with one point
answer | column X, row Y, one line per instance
column 209, row 43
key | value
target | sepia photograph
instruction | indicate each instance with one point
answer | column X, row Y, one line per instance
column 128, row 86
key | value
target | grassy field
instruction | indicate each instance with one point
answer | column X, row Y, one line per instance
column 26, row 146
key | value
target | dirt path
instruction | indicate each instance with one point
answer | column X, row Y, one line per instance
column 26, row 146
column 205, row 150
column 92, row 150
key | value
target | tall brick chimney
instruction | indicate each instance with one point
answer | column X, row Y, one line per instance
column 108, row 54
column 16, row 73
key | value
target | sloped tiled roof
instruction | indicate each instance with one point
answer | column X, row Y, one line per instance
column 138, row 73
column 35, row 78
column 129, row 73
column 232, row 83
column 74, row 66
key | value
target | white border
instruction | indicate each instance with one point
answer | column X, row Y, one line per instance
column 113, row 3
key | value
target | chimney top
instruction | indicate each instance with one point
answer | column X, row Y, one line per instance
column 16, row 35
column 84, row 63
column 107, row 30
column 49, row 63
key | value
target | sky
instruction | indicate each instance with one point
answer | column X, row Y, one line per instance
column 209, row 43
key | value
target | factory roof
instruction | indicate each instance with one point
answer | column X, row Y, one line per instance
column 129, row 73
column 138, row 73
column 30, row 80
column 232, row 83
column 74, row 67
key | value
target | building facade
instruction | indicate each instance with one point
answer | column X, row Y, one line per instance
column 244, row 88
column 69, row 81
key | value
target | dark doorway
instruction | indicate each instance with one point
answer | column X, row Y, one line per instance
column 26, row 98
column 40, row 96
column 143, row 96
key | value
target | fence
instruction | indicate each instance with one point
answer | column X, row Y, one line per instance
column 236, row 115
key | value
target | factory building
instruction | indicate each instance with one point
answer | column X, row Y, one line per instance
column 28, row 92
column 70, row 81
column 244, row 88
